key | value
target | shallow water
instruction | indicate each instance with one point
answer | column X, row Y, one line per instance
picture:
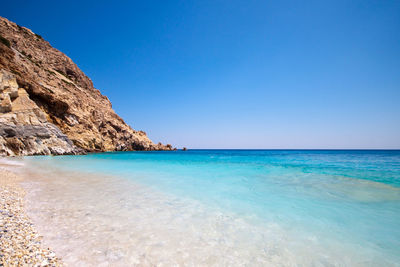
column 219, row 207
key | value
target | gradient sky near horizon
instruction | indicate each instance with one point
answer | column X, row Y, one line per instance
column 237, row 74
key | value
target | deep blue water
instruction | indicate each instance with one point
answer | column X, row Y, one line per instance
column 349, row 197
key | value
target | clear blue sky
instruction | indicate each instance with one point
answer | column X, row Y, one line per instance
column 237, row 74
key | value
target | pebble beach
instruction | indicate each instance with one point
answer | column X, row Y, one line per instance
column 20, row 243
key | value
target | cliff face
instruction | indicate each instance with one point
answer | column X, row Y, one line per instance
column 49, row 106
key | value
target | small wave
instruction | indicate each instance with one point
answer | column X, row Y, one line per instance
column 10, row 162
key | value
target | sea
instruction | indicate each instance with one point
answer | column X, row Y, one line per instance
column 218, row 207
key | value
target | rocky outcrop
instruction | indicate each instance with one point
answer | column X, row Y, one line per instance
column 24, row 129
column 49, row 106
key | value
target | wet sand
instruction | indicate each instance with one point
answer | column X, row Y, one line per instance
column 20, row 243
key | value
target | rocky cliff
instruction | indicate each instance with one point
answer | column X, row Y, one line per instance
column 49, row 106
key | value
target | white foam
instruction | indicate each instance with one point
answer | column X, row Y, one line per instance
column 11, row 162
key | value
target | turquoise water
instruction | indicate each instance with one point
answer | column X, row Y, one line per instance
column 326, row 203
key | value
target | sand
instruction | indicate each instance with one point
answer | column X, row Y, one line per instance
column 20, row 243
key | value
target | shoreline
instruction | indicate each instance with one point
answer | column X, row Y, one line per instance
column 116, row 210
column 20, row 243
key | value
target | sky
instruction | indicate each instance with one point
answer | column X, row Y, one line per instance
column 237, row 74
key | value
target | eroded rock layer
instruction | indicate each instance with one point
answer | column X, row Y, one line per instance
column 49, row 106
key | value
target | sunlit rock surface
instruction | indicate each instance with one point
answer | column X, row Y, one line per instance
column 49, row 106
